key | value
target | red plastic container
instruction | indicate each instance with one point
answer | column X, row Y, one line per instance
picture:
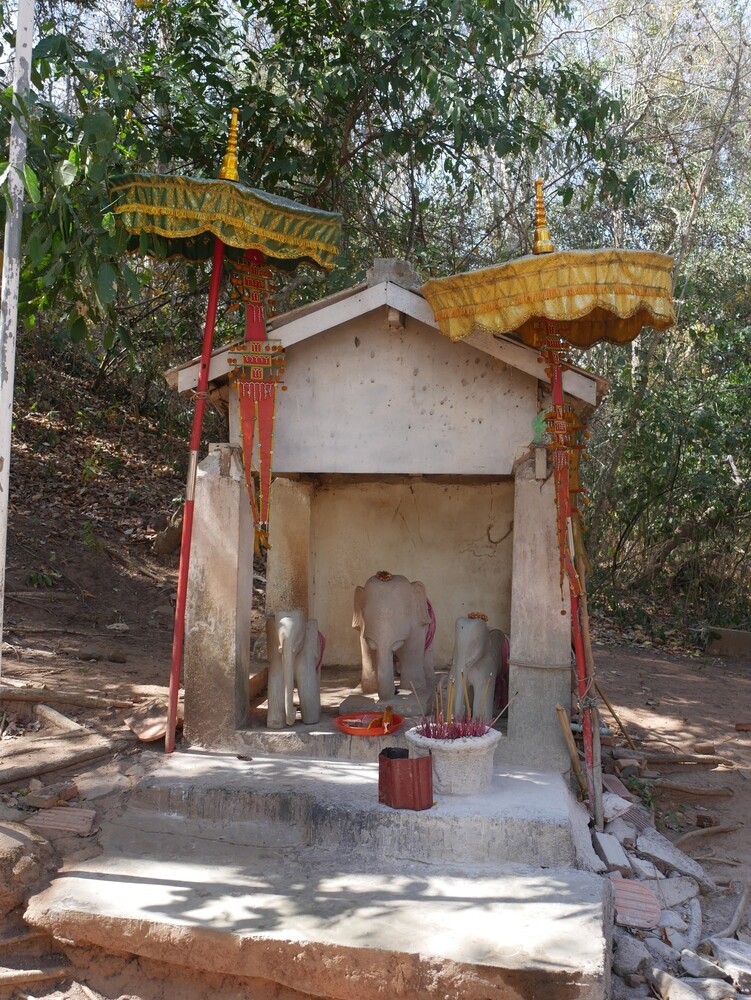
column 404, row 783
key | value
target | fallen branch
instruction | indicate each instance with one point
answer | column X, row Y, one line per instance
column 687, row 758
column 63, row 754
column 133, row 567
column 613, row 712
column 37, row 695
column 57, row 720
column 717, row 861
column 739, row 914
column 709, row 831
column 722, row 791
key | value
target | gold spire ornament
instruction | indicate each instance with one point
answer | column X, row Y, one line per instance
column 228, row 169
column 543, row 243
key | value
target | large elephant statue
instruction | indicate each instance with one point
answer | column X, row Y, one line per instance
column 395, row 622
column 478, row 661
column 294, row 649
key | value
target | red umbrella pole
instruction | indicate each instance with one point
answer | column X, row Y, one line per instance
column 187, row 535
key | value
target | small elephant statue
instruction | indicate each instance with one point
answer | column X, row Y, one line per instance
column 295, row 651
column 478, row 661
column 396, row 623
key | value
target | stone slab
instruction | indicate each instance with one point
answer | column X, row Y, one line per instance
column 729, row 642
column 318, row 923
column 654, row 847
column 673, row 891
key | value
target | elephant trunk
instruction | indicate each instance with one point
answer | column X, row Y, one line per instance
column 385, row 672
column 288, row 674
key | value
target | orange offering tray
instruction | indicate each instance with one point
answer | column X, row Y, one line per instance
column 368, row 723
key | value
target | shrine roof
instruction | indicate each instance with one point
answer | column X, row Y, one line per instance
column 392, row 288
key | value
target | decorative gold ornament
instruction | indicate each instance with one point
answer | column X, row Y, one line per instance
column 228, row 169
column 478, row 614
column 543, row 243
column 384, row 575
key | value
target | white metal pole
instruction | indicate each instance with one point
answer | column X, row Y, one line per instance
column 12, row 274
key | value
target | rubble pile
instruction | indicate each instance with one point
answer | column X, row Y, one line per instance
column 660, row 944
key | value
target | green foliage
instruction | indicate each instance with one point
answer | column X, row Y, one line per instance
column 382, row 110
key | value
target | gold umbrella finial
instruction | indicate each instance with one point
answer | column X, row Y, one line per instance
column 228, row 169
column 543, row 243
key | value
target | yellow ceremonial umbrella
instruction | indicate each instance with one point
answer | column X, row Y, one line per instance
column 213, row 219
column 552, row 301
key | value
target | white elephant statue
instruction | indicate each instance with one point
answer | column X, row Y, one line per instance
column 295, row 651
column 478, row 659
column 396, row 623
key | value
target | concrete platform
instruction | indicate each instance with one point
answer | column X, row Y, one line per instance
column 289, row 870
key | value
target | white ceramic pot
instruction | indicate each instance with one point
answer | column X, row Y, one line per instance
column 460, row 767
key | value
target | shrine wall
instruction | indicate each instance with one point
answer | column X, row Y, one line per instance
column 455, row 537
column 364, row 398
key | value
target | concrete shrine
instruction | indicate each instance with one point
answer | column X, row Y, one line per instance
column 394, row 449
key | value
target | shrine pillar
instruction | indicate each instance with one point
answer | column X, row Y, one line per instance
column 540, row 656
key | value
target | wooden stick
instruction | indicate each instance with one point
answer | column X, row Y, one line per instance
column 597, row 772
column 572, row 751
column 613, row 712
column 688, row 758
column 57, row 719
column 692, row 835
column 8, row 693
column 722, row 791
column 12, row 773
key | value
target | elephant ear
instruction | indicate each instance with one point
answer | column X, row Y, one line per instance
column 420, row 603
column 357, row 619
column 496, row 639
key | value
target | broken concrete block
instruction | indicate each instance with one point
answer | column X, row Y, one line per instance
column 701, row 967
column 671, row 892
column 654, row 847
column 695, row 921
column 646, row 869
column 614, row 806
column 51, row 795
column 607, row 847
column 672, row 921
column 735, row 958
column 628, row 768
column 623, row 832
column 63, row 821
column 714, row 989
column 668, row 986
column 630, row 956
column 663, row 952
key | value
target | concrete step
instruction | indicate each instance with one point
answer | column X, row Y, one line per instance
column 333, row 926
column 223, row 866
column 525, row 818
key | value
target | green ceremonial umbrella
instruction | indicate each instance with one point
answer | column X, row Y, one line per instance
column 210, row 219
